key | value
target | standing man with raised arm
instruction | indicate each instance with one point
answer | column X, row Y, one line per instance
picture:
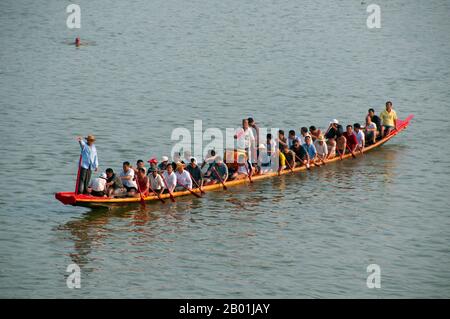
column 88, row 162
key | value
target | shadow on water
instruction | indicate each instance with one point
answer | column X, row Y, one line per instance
column 94, row 227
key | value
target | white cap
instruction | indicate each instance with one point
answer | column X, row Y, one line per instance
column 164, row 158
column 103, row 175
column 334, row 121
column 262, row 146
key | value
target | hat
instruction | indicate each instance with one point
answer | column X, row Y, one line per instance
column 164, row 159
column 193, row 159
column 321, row 138
column 90, row 138
column 153, row 160
column 179, row 164
column 262, row 147
column 334, row 121
column 103, row 175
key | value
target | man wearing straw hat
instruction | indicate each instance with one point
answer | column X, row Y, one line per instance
column 88, row 162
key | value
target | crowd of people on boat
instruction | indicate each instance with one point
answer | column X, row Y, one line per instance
column 250, row 157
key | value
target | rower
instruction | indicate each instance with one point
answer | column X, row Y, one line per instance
column 291, row 138
column 139, row 164
column 183, row 178
column 321, row 148
column 163, row 165
column 303, row 133
column 142, row 182
column 170, row 178
column 219, row 168
column 352, row 141
column 359, row 137
column 310, row 149
column 127, row 177
column 301, row 157
column 155, row 180
column 289, row 157
column 195, row 171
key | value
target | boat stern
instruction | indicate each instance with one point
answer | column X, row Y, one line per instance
column 67, row 198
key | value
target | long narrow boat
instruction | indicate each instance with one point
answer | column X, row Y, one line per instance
column 70, row 198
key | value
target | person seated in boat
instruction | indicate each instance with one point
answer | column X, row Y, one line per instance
column 127, row 177
column 209, row 160
column 311, row 150
column 156, row 183
column 374, row 119
column 314, row 133
column 97, row 186
column 242, row 170
column 361, row 139
column 170, row 178
column 341, row 144
column 281, row 161
column 153, row 164
column 389, row 119
column 114, row 185
column 163, row 165
column 264, row 160
column 332, row 129
column 195, row 172
column 371, row 131
column 184, row 179
column 289, row 157
column 352, row 141
column 142, row 182
column 218, row 172
column 303, row 134
column 271, row 146
column 301, row 156
column 232, row 159
column 322, row 149
column 282, row 140
column 291, row 138
column 140, row 163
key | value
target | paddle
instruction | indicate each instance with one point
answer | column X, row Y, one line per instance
column 154, row 192
column 339, row 152
column 196, row 184
column 248, row 172
column 78, row 176
column 220, row 178
column 190, row 190
column 167, row 187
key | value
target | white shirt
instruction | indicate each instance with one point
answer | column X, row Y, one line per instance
column 128, row 182
column 360, row 138
column 98, row 184
column 171, row 180
column 322, row 150
column 184, row 179
column 371, row 126
column 244, row 138
column 156, row 183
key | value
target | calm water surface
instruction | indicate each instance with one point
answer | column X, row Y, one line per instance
column 151, row 66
